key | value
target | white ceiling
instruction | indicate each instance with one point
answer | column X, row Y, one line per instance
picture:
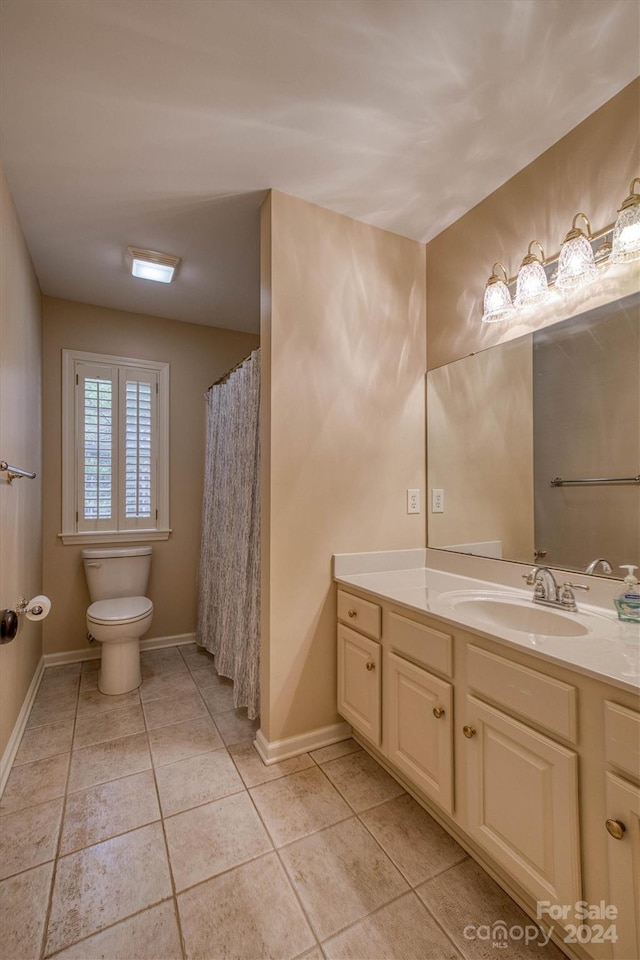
column 160, row 123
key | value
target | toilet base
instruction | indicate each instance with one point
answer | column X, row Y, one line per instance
column 120, row 667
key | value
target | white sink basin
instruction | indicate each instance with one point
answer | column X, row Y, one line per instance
column 520, row 617
column 509, row 611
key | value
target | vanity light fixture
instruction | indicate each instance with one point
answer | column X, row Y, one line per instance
column 497, row 298
column 532, row 285
column 576, row 263
column 626, row 233
column 152, row 265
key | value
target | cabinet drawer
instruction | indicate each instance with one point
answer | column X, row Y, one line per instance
column 532, row 695
column 361, row 614
column 423, row 644
column 622, row 737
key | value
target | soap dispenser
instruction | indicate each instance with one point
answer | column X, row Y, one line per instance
column 628, row 603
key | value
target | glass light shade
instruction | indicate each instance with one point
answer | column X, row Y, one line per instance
column 576, row 263
column 626, row 235
column 532, row 285
column 497, row 301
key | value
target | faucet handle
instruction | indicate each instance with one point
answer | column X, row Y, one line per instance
column 567, row 598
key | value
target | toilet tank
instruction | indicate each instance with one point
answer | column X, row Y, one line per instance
column 117, row 572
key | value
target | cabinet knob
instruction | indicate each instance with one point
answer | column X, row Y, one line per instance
column 615, row 829
column 352, row 613
column 370, row 665
column 469, row 731
column 438, row 712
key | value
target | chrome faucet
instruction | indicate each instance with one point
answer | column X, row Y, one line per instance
column 549, row 593
column 606, row 566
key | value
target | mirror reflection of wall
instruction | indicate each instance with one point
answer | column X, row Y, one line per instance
column 503, row 423
column 586, row 401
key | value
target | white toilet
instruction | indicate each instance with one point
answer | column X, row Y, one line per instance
column 119, row 613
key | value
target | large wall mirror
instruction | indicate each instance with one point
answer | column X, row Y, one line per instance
column 514, row 432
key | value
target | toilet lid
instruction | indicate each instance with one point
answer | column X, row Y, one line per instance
column 122, row 608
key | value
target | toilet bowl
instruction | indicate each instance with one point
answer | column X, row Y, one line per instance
column 119, row 614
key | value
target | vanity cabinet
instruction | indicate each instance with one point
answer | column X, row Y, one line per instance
column 532, row 766
column 522, row 802
column 622, row 738
column 359, row 675
column 419, row 722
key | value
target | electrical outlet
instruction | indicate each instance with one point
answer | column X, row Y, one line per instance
column 413, row 501
column 437, row 501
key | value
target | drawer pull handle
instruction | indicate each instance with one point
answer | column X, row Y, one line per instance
column 469, row 731
column 615, row 829
column 370, row 665
column 438, row 712
column 352, row 613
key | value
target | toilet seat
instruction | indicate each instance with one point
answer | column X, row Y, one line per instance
column 119, row 610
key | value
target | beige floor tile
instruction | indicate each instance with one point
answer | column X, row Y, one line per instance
column 179, row 741
column 254, row 772
column 402, row 930
column 161, row 655
column 40, row 742
column 108, row 761
column 335, row 750
column 167, row 685
column 341, row 875
column 29, row 837
column 55, row 684
column 157, row 667
column 465, row 897
column 189, row 783
column 159, row 713
column 35, row 782
column 235, row 726
column 208, row 840
column 299, row 804
column 111, row 808
column 315, row 954
column 418, row 846
column 24, row 900
column 100, row 885
column 361, row 781
column 122, row 722
column 196, row 656
column 89, row 674
column 249, row 913
column 93, row 703
column 150, row 935
column 217, row 693
column 52, row 711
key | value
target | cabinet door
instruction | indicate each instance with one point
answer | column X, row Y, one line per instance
column 623, row 806
column 522, row 795
column 419, row 715
column 359, row 682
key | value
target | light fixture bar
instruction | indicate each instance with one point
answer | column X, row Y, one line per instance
column 601, row 251
column 151, row 264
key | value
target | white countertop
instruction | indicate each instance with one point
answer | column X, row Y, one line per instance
column 609, row 651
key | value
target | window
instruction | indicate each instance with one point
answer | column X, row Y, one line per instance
column 115, row 439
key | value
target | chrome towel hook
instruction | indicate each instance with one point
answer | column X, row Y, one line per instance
column 13, row 473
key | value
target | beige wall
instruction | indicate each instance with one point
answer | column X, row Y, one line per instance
column 198, row 355
column 343, row 421
column 588, row 170
column 480, row 449
column 20, row 445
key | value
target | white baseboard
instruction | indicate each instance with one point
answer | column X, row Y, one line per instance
column 11, row 749
column 93, row 652
column 276, row 750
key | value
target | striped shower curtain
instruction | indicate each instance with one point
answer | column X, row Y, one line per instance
column 229, row 586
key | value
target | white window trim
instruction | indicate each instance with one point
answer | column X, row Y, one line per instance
column 70, row 533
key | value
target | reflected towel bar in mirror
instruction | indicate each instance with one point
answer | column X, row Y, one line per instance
column 559, row 482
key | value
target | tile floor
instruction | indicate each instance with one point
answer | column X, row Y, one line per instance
column 146, row 827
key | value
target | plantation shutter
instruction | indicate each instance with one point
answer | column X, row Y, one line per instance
column 138, row 448
column 96, row 408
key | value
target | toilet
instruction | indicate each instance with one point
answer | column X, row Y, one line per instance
column 119, row 613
